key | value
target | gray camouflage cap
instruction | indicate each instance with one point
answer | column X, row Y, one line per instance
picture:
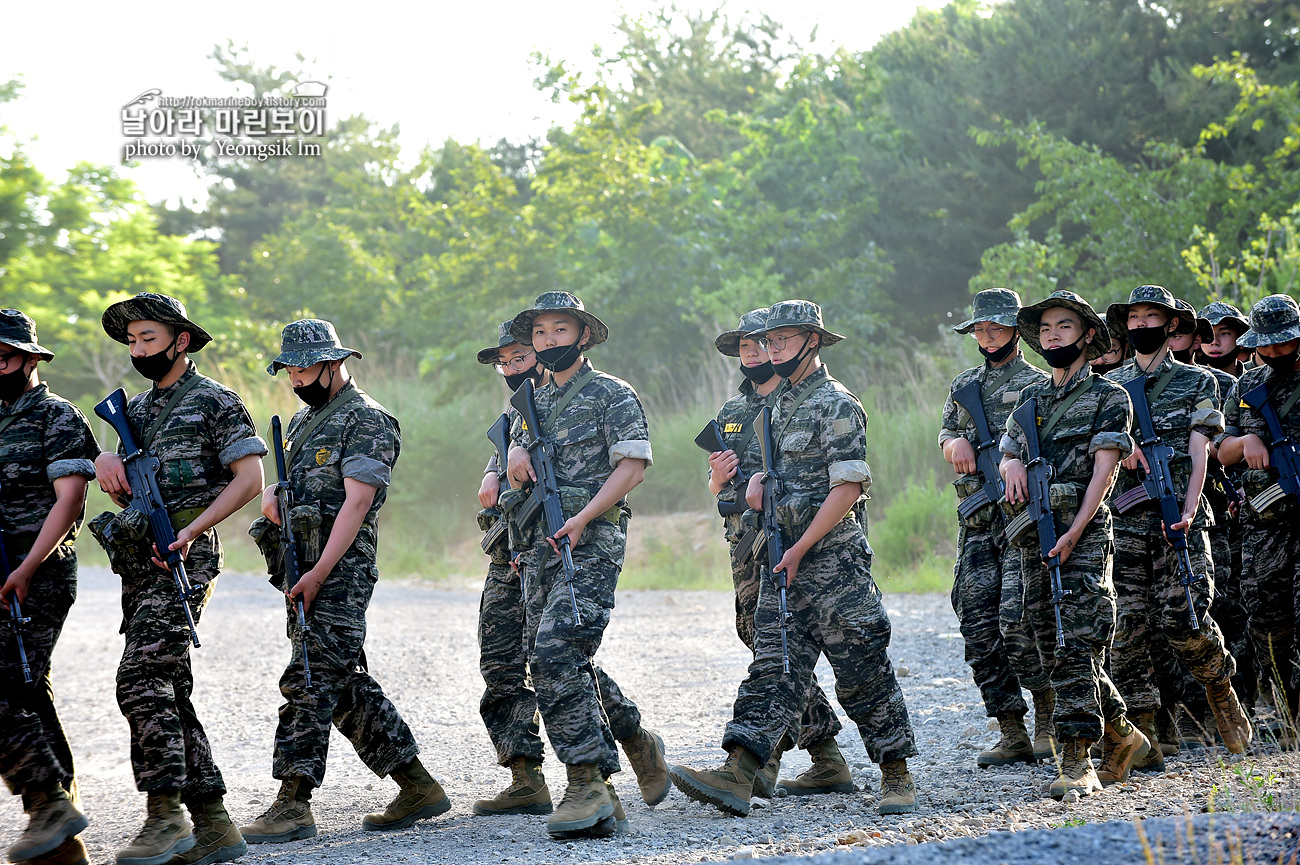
column 1152, row 295
column 750, row 324
column 1217, row 313
column 1186, row 317
column 1028, row 318
column 19, row 331
column 557, row 301
column 798, row 313
column 488, row 355
column 1274, row 319
column 309, row 341
column 994, row 305
column 147, row 306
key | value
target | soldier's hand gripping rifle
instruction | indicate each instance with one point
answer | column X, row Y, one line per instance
column 1040, row 474
column 1159, row 484
column 288, row 543
column 710, row 440
column 546, row 491
column 1284, row 452
column 142, row 476
column 771, row 528
column 992, row 489
column 499, row 435
column 16, row 618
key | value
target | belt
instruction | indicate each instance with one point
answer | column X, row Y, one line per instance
column 182, row 518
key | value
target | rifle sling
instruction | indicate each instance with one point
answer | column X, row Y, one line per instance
column 156, row 424
column 1281, row 412
column 10, row 418
column 1000, row 377
column 563, row 402
column 310, row 427
column 1045, row 431
column 830, row 379
column 748, row 425
column 1161, row 384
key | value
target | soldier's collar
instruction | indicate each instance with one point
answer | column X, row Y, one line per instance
column 1070, row 382
column 190, row 370
column 814, row 378
column 28, row 399
column 586, row 365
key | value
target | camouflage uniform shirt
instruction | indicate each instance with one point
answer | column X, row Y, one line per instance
column 50, row 439
column 736, row 417
column 1241, row 419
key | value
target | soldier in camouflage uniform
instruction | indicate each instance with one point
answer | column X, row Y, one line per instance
column 47, row 457
column 818, row 725
column 340, row 452
column 987, row 595
column 211, row 466
column 819, row 432
column 1270, row 567
column 1083, row 430
column 1151, row 600
column 602, row 449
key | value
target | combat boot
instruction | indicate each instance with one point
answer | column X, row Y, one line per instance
column 215, row 837
column 645, row 751
column 1013, row 747
column 727, row 788
column 70, row 852
column 1045, row 746
column 765, row 778
column 1154, row 759
column 1167, row 732
column 166, row 832
column 288, row 819
column 51, row 820
column 527, row 793
column 1075, row 770
column 897, row 790
column 585, row 803
column 1234, row 726
column 615, row 824
column 827, row 774
column 1122, row 745
column 419, row 798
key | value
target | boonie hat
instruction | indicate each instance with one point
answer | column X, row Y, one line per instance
column 994, row 305
column 18, row 330
column 557, row 301
column 798, row 313
column 1028, row 318
column 147, row 306
column 309, row 341
column 751, row 323
column 1274, row 319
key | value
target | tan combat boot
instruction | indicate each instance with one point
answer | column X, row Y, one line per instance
column 1122, row 745
column 70, row 852
column 215, row 837
column 897, row 790
column 585, row 803
column 728, row 787
column 51, row 820
column 1045, row 745
column 288, row 819
column 1013, row 747
column 1234, row 726
column 645, row 751
column 765, row 778
column 615, row 824
column 419, row 798
column 1154, row 759
column 527, row 793
column 1075, row 771
column 827, row 774
column 166, row 832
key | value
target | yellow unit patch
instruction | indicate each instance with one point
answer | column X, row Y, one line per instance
column 322, row 456
column 733, row 427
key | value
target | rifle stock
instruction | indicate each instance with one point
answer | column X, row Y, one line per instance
column 970, row 397
column 1040, row 506
column 16, row 618
column 1284, row 452
column 710, row 440
column 288, row 543
column 772, row 529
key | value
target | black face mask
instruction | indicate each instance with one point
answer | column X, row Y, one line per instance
column 760, row 374
column 1062, row 356
column 1103, row 368
column 314, row 393
column 516, row 381
column 1147, row 340
column 998, row 355
column 155, row 366
column 1283, row 364
column 559, row 358
column 1223, row 361
column 13, row 385
column 787, row 368
column 1182, row 355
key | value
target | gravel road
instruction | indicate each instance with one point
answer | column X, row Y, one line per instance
column 676, row 655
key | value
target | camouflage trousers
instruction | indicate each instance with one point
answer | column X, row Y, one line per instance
column 1085, row 695
column 34, row 752
column 1152, row 608
column 509, row 703
column 817, row 722
column 343, row 693
column 989, row 602
column 155, row 684
column 1270, row 589
column 837, row 611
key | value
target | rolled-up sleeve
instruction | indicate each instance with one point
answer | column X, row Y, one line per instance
column 850, row 472
column 367, row 470
column 638, row 449
column 1119, row 441
column 246, row 447
column 65, row 468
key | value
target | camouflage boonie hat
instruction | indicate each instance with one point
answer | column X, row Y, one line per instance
column 798, row 313
column 1217, row 313
column 995, row 305
column 147, row 306
column 750, row 324
column 1274, row 319
column 1029, row 316
column 488, row 355
column 19, row 331
column 306, row 342
column 557, row 301
column 1153, row 295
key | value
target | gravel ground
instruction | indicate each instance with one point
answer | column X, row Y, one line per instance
column 677, row 655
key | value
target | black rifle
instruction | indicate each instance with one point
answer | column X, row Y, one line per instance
column 775, row 543
column 288, row 543
column 499, row 435
column 546, row 492
column 1040, row 506
column 142, row 476
column 970, row 398
column 1215, row 472
column 1284, row 452
column 16, row 618
column 1159, row 484
column 710, row 440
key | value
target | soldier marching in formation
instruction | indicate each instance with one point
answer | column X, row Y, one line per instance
column 1136, row 633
